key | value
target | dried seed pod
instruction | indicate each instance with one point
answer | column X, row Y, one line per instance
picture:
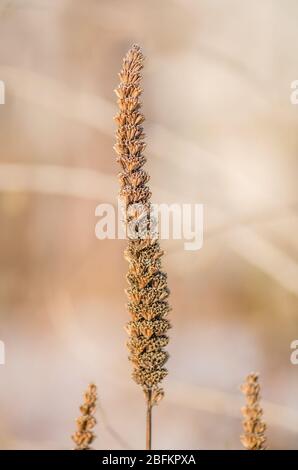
column 148, row 291
column 254, row 427
column 84, row 435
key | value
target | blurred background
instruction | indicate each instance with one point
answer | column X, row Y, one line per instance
column 221, row 131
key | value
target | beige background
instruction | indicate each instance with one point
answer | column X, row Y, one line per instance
column 221, row 131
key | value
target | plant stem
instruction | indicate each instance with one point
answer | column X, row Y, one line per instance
column 149, row 422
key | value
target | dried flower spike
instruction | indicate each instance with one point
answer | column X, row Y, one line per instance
column 148, row 291
column 84, row 435
column 253, row 425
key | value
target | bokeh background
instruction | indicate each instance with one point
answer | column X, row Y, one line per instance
column 221, row 131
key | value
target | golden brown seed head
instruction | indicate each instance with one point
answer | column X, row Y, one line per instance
column 254, row 427
column 84, row 435
column 147, row 292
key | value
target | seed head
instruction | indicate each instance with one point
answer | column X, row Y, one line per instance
column 253, row 425
column 147, row 284
column 84, row 435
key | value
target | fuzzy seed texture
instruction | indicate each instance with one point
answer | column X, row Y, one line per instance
column 253, row 425
column 147, row 292
column 84, row 435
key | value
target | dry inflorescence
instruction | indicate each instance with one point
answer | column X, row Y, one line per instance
column 84, row 435
column 148, row 291
column 253, row 424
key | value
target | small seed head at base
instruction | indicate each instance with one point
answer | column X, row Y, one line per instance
column 253, row 425
column 84, row 434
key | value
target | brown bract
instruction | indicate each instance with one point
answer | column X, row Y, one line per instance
column 147, row 292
